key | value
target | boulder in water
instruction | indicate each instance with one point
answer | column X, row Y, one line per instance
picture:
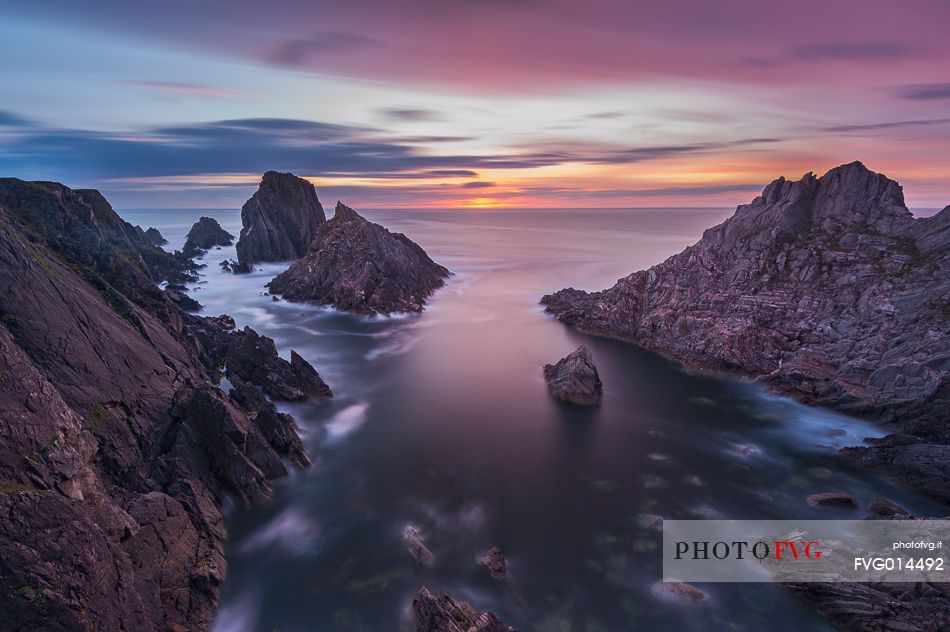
column 574, row 379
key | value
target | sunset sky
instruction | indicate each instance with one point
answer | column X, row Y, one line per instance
column 455, row 103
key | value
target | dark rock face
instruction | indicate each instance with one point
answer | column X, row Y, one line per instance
column 442, row 614
column 358, row 266
column 826, row 289
column 253, row 358
column 155, row 238
column 204, row 235
column 116, row 448
column 574, row 379
column 279, row 221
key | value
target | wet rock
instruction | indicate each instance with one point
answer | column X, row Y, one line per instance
column 495, row 562
column 279, row 221
column 574, row 379
column 416, row 546
column 155, row 238
column 884, row 508
column 204, row 235
column 923, row 467
column 223, row 321
column 680, row 592
column 253, row 358
column 228, row 265
column 442, row 614
column 358, row 266
column 183, row 301
column 833, row 499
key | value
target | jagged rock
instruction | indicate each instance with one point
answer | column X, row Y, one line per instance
column 358, row 266
column 442, row 614
column 224, row 321
column 279, row 221
column 204, row 235
column 253, row 358
column 416, row 546
column 884, row 508
column 155, row 238
column 495, row 562
column 228, row 265
column 826, row 289
column 574, row 379
column 833, row 499
column 923, row 467
column 183, row 301
column 116, row 450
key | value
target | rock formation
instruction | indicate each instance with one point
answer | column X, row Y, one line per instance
column 204, row 235
column 358, row 266
column 574, row 379
column 279, row 221
column 826, row 289
column 116, row 447
column 442, row 614
column 155, row 238
column 495, row 562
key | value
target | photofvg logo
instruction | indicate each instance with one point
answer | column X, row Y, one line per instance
column 805, row 551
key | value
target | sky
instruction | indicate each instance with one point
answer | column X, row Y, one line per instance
column 473, row 103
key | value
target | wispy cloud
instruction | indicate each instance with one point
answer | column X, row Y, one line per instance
column 300, row 51
column 183, row 89
column 925, row 91
column 410, row 114
column 873, row 127
column 853, row 51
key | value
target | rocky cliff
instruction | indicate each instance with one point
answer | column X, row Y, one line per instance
column 116, row 447
column 279, row 221
column 359, row 266
column 827, row 289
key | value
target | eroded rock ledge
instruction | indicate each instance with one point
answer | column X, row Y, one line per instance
column 441, row 614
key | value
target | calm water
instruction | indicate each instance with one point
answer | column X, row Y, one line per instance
column 442, row 421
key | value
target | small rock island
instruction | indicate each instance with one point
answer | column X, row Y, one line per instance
column 279, row 221
column 204, row 235
column 358, row 266
column 574, row 379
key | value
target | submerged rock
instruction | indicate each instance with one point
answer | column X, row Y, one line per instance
column 884, row 508
column 833, row 499
column 680, row 592
column 358, row 266
column 495, row 562
column 574, row 379
column 279, row 221
column 204, row 235
column 416, row 546
column 442, row 614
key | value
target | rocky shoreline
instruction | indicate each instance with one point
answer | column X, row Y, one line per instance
column 118, row 446
column 825, row 289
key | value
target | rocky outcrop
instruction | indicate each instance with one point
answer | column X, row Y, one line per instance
column 494, row 560
column 279, row 221
column 574, row 379
column 253, row 358
column 116, row 447
column 358, row 266
column 826, row 289
column 442, row 614
column 155, row 238
column 204, row 235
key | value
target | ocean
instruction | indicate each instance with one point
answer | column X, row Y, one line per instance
column 442, row 421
